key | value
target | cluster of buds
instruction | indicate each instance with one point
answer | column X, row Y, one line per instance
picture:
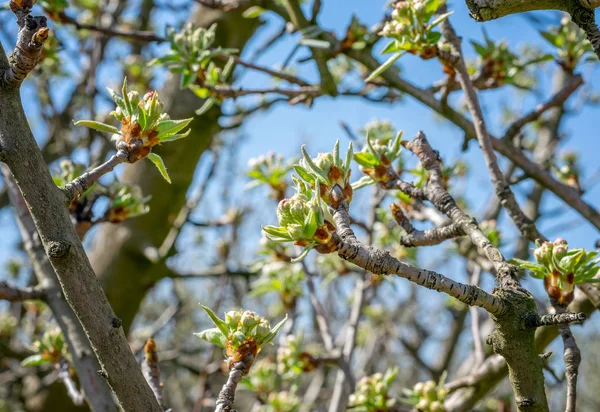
column 372, row 393
column 292, row 360
column 357, row 36
column 51, row 349
column 329, row 174
column 269, row 170
column 281, row 278
column 242, row 334
column 376, row 159
column 497, row 65
column 143, row 126
column 303, row 220
column 126, row 201
column 572, row 48
column 428, row 396
column 192, row 54
column 412, row 29
column 561, row 268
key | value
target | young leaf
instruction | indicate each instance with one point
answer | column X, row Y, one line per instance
column 175, row 136
column 253, row 12
column 320, row 173
column 389, row 62
column 208, row 104
column 302, row 255
column 214, row 336
column 33, row 360
column 126, row 100
column 362, row 182
column 274, row 331
column 366, row 159
column 169, row 127
column 304, row 174
column 160, row 165
column 101, row 127
column 219, row 323
column 348, row 161
column 440, row 19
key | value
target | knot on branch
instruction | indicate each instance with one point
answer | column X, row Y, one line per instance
column 58, row 249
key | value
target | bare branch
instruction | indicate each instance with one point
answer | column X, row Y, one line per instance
column 427, row 237
column 151, row 371
column 82, row 183
column 32, row 35
column 562, row 318
column 502, row 188
column 555, row 101
column 16, row 294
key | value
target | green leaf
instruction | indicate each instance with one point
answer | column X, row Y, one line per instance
column 101, row 127
column 214, row 336
column 126, row 100
column 388, row 63
column 537, row 270
column 366, row 159
column 169, row 58
column 160, row 165
column 219, row 323
column 34, row 360
column 174, row 137
column 304, row 174
column 440, row 19
column 201, row 92
column 433, row 37
column 479, row 49
column 552, row 38
column 168, row 128
column 336, row 153
column 253, row 12
column 274, row 331
column 117, row 99
column 319, row 173
column 392, row 47
column 349, row 156
column 568, row 262
column 302, row 255
column 362, row 182
column 187, row 78
column 277, row 234
column 208, row 104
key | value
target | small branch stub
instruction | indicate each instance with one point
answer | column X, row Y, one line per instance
column 57, row 250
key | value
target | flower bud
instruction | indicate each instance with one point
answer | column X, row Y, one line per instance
column 134, row 98
column 560, row 241
column 238, row 338
column 436, row 406
column 262, row 330
column 423, row 405
column 232, row 319
column 418, row 389
column 324, row 161
column 560, row 251
column 429, row 390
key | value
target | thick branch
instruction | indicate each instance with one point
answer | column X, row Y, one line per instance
column 46, row 203
column 564, row 318
column 95, row 389
column 484, row 10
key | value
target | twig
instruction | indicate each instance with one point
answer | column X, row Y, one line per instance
column 477, row 346
column 571, row 355
column 559, row 318
column 144, row 36
column 232, row 92
column 151, row 371
column 79, row 185
column 427, row 237
column 502, row 188
column 274, row 73
column 64, row 375
column 227, row 394
column 381, row 262
column 16, row 294
column 555, row 101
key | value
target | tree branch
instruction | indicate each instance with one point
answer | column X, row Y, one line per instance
column 502, row 188
column 79, row 185
column 151, row 371
column 32, row 35
column 16, row 294
column 427, row 237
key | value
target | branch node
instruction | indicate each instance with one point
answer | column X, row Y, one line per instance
column 58, row 249
column 116, row 322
